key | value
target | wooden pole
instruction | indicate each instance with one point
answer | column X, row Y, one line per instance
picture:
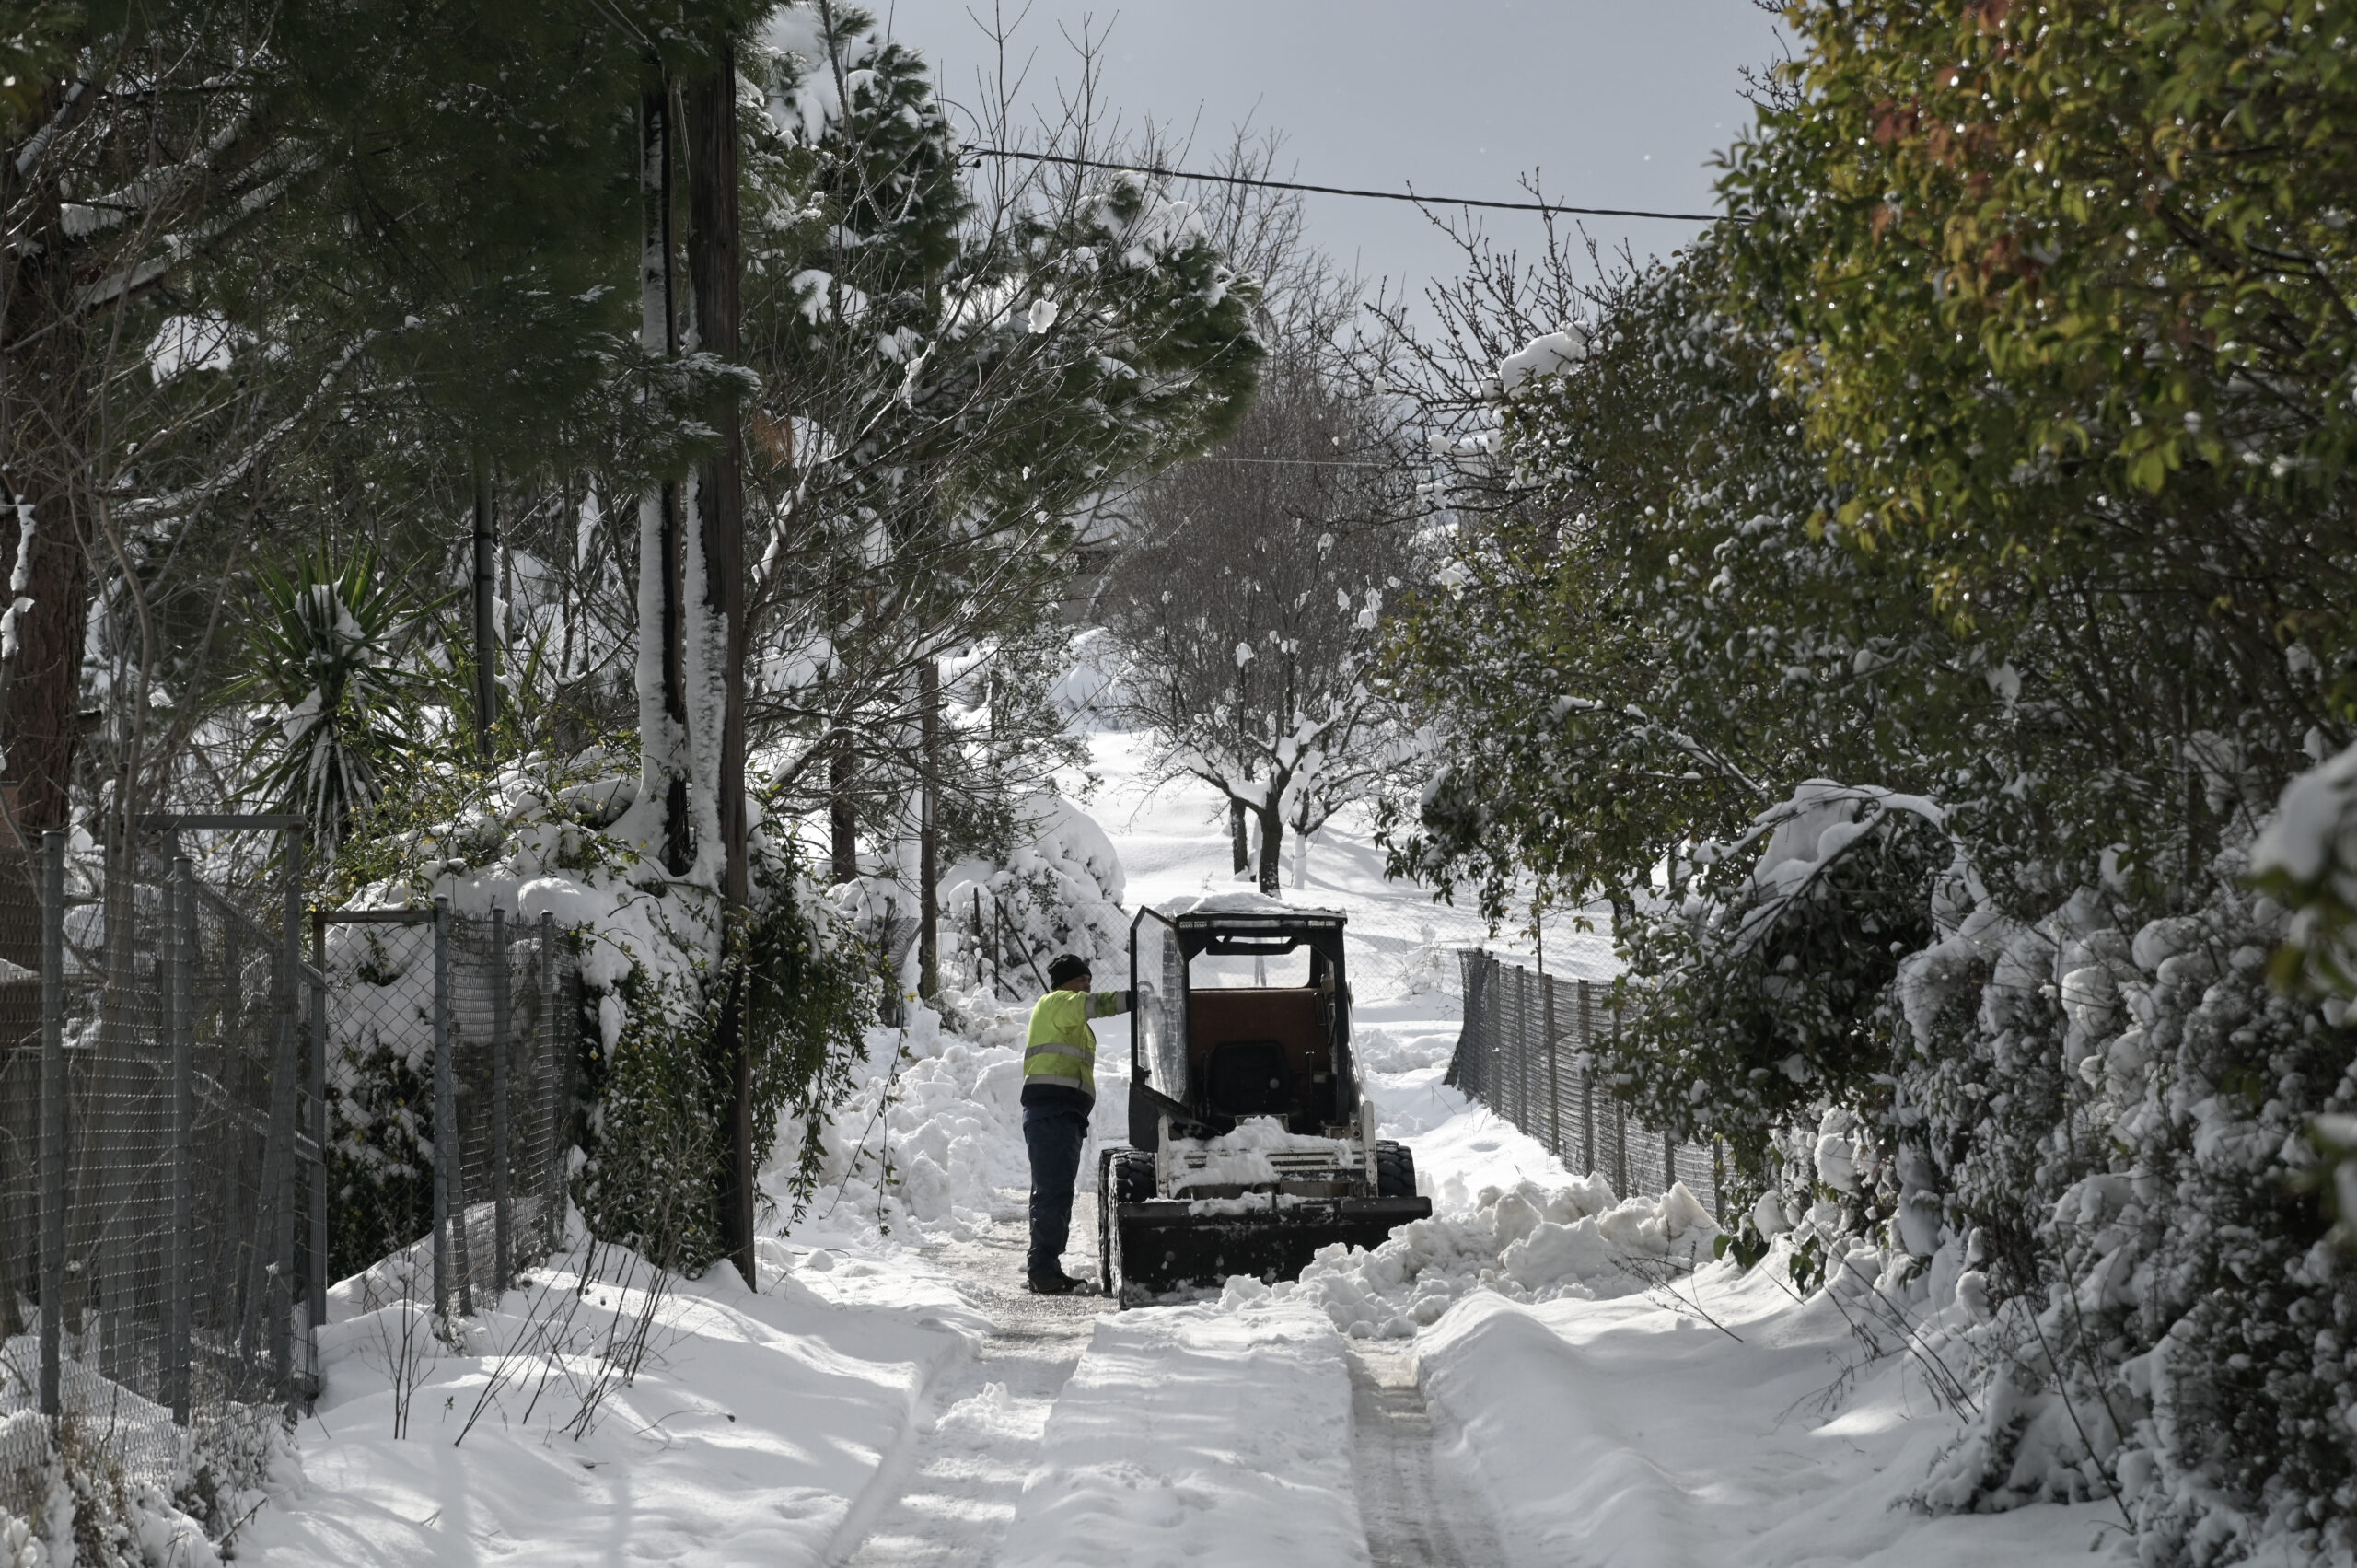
column 929, row 829
column 714, row 274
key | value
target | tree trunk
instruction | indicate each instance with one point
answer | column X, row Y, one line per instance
column 1273, row 846
column 929, row 829
column 42, row 726
column 486, row 595
column 842, row 812
column 662, row 672
column 44, row 425
column 1237, row 838
column 720, row 507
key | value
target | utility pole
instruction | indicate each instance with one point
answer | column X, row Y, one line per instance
column 713, row 275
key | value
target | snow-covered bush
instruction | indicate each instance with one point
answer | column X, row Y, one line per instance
column 2088, row 1133
column 929, row 1128
column 1060, row 883
column 1766, row 997
column 658, row 1077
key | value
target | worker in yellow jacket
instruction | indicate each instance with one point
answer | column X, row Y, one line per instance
column 1059, row 1087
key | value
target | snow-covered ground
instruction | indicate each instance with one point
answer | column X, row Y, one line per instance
column 1537, row 1361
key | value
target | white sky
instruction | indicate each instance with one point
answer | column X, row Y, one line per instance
column 1618, row 103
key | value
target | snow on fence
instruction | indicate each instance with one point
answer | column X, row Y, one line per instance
column 172, row 1196
column 1524, row 1053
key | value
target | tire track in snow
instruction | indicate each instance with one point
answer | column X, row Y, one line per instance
column 950, row 1502
column 1413, row 1520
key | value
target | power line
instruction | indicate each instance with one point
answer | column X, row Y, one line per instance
column 1347, row 191
column 1297, row 462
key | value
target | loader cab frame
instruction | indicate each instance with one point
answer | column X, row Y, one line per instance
column 1207, row 1054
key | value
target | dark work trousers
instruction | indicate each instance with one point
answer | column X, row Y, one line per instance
column 1053, row 1133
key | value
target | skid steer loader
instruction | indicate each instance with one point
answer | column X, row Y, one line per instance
column 1250, row 1146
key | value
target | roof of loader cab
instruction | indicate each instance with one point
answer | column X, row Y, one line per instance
column 1245, row 911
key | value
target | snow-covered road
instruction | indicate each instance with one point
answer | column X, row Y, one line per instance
column 1529, row 1380
column 949, row 1500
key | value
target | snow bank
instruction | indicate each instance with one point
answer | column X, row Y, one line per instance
column 1536, row 1241
column 1636, row 1432
column 526, row 1442
column 1190, row 1435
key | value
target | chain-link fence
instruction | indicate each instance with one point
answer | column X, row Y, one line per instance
column 1526, row 1053
column 189, row 1117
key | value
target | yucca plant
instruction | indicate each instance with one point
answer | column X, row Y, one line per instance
column 323, row 663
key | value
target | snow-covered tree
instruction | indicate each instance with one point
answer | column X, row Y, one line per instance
column 956, row 373
column 1248, row 606
column 1906, row 607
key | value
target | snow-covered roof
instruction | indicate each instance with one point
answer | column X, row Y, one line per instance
column 1236, row 903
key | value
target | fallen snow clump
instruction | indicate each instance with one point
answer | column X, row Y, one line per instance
column 1240, row 1158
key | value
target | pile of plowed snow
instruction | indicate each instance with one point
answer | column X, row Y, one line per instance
column 1535, row 1241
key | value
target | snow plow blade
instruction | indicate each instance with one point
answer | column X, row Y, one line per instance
column 1166, row 1246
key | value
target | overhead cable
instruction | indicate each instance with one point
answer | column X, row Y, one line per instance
column 1550, row 207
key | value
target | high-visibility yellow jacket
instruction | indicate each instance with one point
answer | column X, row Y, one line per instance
column 1061, row 1048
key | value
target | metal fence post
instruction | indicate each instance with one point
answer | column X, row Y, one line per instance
column 550, row 1051
column 1619, row 1132
column 1496, row 1036
column 444, row 1119
column 1587, row 1080
column 503, row 1245
column 52, row 1119
column 317, row 1306
column 279, row 1161
column 1620, row 1128
column 1554, row 1073
column 182, row 1286
column 1521, row 1048
column 1481, row 1006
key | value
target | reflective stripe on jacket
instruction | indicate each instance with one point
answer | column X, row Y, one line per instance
column 1061, row 1048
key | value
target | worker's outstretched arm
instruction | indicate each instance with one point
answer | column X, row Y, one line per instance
column 1104, row 1003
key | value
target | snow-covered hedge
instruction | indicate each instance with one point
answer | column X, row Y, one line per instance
column 2089, row 1133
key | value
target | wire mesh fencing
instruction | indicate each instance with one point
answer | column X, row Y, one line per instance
column 1396, row 954
column 159, row 1171
column 201, row 1129
column 1528, row 1053
column 451, row 1045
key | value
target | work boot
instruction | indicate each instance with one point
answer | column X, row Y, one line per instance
column 1057, row 1283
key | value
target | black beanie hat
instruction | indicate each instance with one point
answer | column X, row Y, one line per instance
column 1067, row 968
